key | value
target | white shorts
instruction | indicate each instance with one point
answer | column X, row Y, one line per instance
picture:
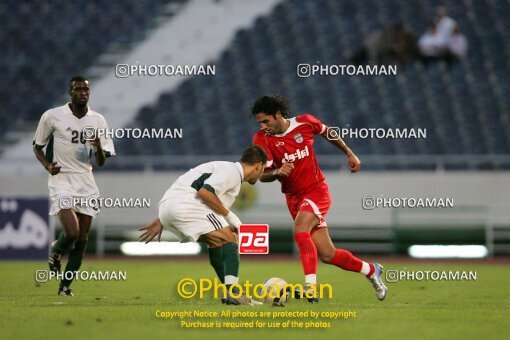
column 189, row 218
column 65, row 188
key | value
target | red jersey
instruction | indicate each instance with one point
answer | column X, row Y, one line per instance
column 295, row 145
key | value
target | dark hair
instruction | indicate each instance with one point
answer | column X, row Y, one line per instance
column 254, row 154
column 270, row 105
column 76, row 78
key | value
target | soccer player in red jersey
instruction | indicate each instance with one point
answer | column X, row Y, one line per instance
column 292, row 161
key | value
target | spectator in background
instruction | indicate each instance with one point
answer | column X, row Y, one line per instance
column 431, row 45
column 434, row 47
column 393, row 43
column 458, row 44
column 396, row 43
column 444, row 25
column 404, row 46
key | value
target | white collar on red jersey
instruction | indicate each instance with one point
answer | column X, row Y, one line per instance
column 293, row 124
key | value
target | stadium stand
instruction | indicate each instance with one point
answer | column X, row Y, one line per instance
column 55, row 39
column 465, row 108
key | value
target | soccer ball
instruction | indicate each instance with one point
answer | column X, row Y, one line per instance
column 277, row 292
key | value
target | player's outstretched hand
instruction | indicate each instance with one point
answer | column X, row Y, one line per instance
column 354, row 163
column 153, row 229
column 53, row 168
column 285, row 169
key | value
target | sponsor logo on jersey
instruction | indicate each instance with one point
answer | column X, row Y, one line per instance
column 298, row 138
column 299, row 154
column 279, row 143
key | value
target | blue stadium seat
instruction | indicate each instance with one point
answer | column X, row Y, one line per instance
column 43, row 49
column 465, row 108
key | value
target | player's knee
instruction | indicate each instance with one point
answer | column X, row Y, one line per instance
column 214, row 242
column 326, row 258
column 84, row 236
column 300, row 228
column 71, row 235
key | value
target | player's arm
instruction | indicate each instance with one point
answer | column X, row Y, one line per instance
column 51, row 167
column 208, row 196
column 103, row 146
column 100, row 153
column 42, row 136
column 212, row 201
column 270, row 175
column 354, row 162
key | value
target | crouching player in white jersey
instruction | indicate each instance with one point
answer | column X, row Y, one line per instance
column 196, row 208
column 72, row 188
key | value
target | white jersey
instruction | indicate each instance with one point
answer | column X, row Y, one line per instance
column 222, row 178
column 70, row 150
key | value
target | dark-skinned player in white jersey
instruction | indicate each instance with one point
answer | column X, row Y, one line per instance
column 68, row 160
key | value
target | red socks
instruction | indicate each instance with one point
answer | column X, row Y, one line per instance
column 345, row 260
column 307, row 252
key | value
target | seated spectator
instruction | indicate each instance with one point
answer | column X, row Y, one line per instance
column 444, row 25
column 431, row 45
column 393, row 43
column 404, row 47
column 458, row 44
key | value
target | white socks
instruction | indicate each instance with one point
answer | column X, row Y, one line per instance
column 365, row 268
column 311, row 278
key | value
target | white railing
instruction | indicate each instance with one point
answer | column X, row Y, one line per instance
column 26, row 165
column 332, row 162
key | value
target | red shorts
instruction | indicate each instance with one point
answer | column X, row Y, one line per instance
column 315, row 200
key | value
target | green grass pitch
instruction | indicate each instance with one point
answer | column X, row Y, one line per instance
column 126, row 309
